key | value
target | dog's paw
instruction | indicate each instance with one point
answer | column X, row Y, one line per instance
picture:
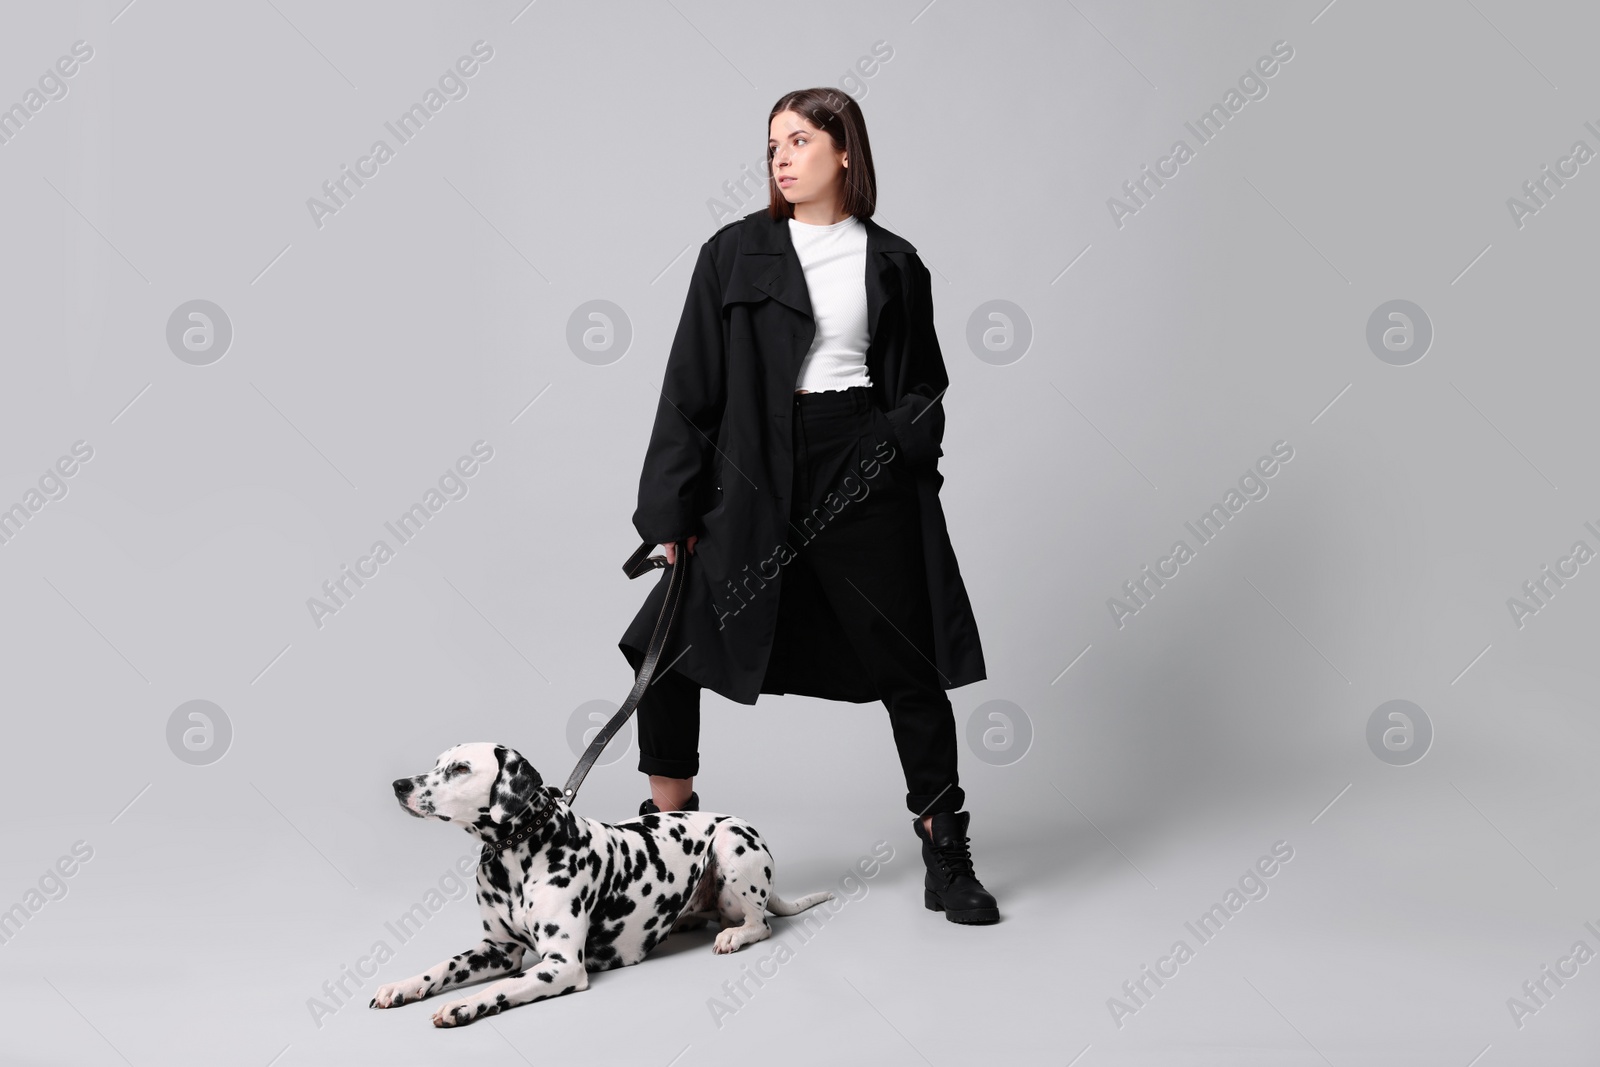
column 727, row 941
column 395, row 994
column 458, row 1013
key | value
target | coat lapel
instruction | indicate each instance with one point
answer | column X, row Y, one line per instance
column 768, row 265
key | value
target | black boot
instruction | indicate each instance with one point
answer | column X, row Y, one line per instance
column 951, row 885
column 649, row 805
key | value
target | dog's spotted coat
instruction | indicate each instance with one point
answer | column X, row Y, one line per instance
column 579, row 895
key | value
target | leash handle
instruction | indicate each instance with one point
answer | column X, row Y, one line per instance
column 639, row 563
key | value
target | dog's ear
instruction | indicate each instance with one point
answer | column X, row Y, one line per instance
column 517, row 784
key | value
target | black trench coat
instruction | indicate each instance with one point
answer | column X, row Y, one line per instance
column 720, row 464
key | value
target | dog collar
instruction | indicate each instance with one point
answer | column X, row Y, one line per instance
column 539, row 814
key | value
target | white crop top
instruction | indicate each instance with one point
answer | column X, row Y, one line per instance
column 835, row 262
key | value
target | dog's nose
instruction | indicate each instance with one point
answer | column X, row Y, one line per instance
column 402, row 787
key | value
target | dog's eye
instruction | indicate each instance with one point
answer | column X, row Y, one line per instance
column 457, row 768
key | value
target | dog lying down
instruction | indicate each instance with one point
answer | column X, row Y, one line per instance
column 572, row 895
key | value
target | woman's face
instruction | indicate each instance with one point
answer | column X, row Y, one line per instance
column 804, row 162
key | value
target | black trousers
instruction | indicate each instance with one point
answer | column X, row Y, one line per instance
column 867, row 559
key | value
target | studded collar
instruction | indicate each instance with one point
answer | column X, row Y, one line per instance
column 538, row 814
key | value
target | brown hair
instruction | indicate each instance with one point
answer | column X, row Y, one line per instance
column 839, row 116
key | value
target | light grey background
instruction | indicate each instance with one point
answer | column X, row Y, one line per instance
column 586, row 163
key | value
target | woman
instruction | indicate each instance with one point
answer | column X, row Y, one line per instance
column 795, row 450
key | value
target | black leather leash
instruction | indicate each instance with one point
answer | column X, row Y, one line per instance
column 641, row 562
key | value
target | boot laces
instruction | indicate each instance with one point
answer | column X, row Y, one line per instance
column 955, row 856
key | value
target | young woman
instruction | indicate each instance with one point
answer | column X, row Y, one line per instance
column 795, row 456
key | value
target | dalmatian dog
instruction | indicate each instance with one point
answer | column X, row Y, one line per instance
column 570, row 895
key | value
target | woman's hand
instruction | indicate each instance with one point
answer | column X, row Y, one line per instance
column 672, row 548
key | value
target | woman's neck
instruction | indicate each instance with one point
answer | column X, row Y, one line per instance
column 807, row 215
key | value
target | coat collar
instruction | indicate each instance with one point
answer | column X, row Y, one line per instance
column 769, row 264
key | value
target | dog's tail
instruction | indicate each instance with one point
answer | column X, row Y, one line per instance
column 778, row 906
